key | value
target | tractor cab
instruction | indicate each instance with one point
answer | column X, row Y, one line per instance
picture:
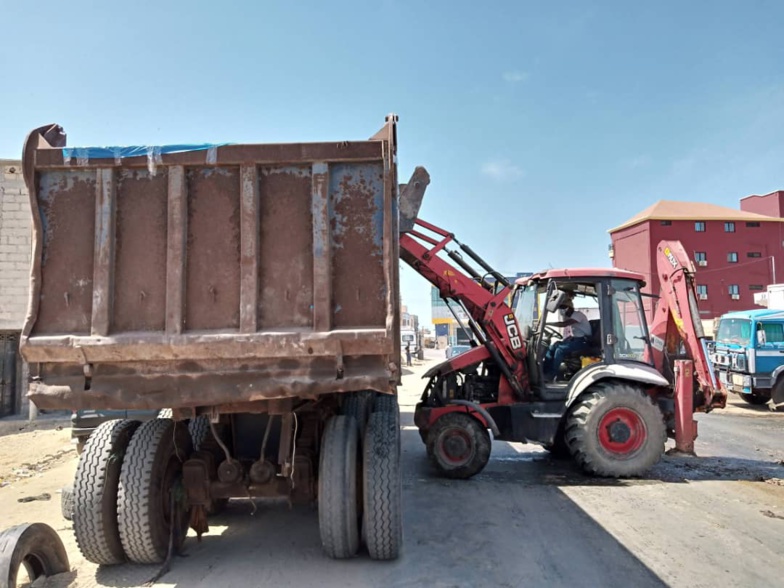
column 572, row 320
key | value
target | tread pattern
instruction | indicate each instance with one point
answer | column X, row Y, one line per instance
column 357, row 404
column 383, row 486
column 95, row 492
column 583, row 421
column 199, row 428
column 67, row 502
column 337, row 488
column 143, row 531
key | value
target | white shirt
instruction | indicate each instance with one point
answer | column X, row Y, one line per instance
column 582, row 328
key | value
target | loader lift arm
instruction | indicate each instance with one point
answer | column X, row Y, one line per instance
column 486, row 304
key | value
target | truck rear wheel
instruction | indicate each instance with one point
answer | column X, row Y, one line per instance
column 383, row 487
column 150, row 502
column 754, row 399
column 338, row 501
column 94, row 510
column 616, row 431
column 458, row 446
column 357, row 404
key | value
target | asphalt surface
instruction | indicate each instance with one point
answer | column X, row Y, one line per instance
column 526, row 520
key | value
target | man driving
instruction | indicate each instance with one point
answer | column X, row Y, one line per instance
column 576, row 337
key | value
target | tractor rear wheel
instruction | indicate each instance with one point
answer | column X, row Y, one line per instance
column 458, row 446
column 615, row 430
column 338, row 488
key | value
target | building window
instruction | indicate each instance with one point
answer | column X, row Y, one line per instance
column 665, row 223
column 699, row 226
column 754, row 225
column 700, row 257
column 729, row 227
column 754, row 254
column 702, row 291
column 756, row 287
column 733, row 289
column 732, row 257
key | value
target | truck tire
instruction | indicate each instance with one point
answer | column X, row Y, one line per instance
column 37, row 547
column 754, row 399
column 357, row 404
column 67, row 502
column 458, row 445
column 95, row 492
column 338, row 501
column 615, row 430
column 149, row 480
column 382, row 487
column 199, row 428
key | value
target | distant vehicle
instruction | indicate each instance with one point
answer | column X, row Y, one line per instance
column 748, row 353
column 408, row 336
column 84, row 422
column 453, row 350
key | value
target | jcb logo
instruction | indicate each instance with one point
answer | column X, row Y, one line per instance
column 513, row 331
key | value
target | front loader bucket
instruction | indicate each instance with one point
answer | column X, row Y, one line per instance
column 411, row 195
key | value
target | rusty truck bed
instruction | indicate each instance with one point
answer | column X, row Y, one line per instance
column 211, row 276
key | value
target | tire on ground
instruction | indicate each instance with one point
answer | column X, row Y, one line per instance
column 382, row 487
column 95, row 492
column 338, row 500
column 458, row 445
column 36, row 547
column 67, row 502
column 615, row 430
column 149, row 480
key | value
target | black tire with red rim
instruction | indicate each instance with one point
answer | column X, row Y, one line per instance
column 458, row 445
column 615, row 430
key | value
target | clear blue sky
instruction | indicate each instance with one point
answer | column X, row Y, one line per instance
column 543, row 124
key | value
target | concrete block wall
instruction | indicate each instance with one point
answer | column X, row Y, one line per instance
column 15, row 246
column 15, row 252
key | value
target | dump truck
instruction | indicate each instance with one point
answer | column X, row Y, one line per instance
column 250, row 289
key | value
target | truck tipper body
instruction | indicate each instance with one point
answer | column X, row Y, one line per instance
column 252, row 289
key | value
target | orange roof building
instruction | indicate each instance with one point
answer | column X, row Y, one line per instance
column 735, row 252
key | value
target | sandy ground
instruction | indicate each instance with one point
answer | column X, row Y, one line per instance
column 525, row 520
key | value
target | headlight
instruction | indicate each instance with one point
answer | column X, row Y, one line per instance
column 739, row 362
column 747, row 381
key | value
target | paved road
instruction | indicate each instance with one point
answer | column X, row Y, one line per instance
column 528, row 520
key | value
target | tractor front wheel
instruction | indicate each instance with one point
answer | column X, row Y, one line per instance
column 458, row 445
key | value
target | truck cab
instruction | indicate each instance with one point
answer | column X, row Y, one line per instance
column 748, row 353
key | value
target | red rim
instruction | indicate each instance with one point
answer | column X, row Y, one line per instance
column 455, row 446
column 622, row 431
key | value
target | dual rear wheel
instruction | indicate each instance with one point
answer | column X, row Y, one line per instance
column 360, row 483
column 127, row 495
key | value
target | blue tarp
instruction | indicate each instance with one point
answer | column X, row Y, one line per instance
column 84, row 154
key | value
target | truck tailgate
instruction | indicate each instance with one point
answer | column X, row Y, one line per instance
column 211, row 275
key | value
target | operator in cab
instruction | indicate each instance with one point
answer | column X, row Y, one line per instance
column 576, row 338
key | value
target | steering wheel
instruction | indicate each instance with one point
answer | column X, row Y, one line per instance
column 550, row 331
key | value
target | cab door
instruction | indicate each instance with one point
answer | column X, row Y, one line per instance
column 769, row 345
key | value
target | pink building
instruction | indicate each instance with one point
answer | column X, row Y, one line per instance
column 735, row 252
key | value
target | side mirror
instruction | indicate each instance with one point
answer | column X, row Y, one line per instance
column 761, row 339
column 555, row 299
